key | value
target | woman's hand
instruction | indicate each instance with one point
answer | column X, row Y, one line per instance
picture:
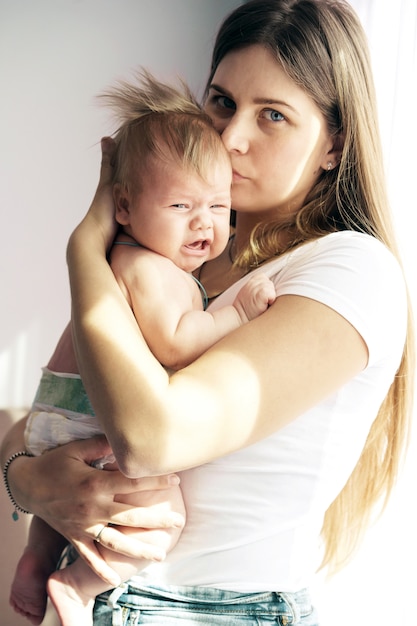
column 77, row 500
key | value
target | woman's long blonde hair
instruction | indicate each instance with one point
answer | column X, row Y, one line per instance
column 323, row 48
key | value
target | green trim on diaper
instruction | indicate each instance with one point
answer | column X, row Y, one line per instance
column 63, row 392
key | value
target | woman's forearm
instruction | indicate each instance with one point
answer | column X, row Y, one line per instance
column 104, row 331
column 113, row 357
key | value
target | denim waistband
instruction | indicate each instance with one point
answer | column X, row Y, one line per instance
column 290, row 607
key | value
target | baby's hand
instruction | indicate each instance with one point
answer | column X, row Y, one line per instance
column 256, row 295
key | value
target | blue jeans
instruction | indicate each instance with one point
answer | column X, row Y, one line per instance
column 172, row 606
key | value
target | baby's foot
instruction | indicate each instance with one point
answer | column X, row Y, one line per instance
column 72, row 607
column 28, row 592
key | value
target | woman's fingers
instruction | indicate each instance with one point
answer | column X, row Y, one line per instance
column 119, row 539
column 107, row 153
column 144, row 517
column 116, row 483
column 113, row 539
column 88, row 550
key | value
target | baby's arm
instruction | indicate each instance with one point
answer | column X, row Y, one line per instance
column 256, row 295
column 168, row 307
column 198, row 330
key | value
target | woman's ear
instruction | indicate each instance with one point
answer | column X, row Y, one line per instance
column 333, row 156
column 122, row 202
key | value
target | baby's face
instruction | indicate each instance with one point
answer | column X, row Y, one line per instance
column 181, row 215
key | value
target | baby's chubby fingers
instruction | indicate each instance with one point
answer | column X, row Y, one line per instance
column 262, row 291
column 264, row 288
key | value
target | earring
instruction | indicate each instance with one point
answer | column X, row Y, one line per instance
column 329, row 166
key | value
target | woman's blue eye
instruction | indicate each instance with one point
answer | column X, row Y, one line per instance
column 274, row 116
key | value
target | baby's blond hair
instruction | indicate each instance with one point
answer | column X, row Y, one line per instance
column 160, row 121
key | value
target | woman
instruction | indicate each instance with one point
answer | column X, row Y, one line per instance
column 295, row 422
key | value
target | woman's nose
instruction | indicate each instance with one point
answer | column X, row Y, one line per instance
column 235, row 135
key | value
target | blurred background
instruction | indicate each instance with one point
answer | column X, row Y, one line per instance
column 55, row 57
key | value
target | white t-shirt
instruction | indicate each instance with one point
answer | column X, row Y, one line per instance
column 254, row 516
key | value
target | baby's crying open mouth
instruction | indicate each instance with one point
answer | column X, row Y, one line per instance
column 201, row 244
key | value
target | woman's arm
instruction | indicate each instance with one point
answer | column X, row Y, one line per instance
column 247, row 386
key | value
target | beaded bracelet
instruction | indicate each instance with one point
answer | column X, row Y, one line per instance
column 16, row 455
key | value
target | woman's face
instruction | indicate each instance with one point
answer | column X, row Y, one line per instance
column 276, row 135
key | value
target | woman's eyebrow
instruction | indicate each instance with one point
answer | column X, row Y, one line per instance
column 260, row 100
column 221, row 89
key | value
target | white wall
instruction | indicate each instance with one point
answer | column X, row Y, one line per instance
column 55, row 55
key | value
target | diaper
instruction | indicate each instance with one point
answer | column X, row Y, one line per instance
column 61, row 413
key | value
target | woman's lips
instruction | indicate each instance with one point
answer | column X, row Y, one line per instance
column 238, row 177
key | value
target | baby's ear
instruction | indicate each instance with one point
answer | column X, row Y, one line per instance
column 122, row 202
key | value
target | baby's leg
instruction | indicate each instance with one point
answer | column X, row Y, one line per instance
column 28, row 592
column 72, row 590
